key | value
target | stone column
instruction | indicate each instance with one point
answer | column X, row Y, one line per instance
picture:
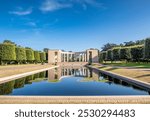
column 83, row 57
column 67, row 57
column 63, row 57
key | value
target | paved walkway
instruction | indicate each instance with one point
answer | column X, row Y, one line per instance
column 74, row 99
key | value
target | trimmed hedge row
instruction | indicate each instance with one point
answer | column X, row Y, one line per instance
column 37, row 56
column 20, row 54
column 132, row 53
column 7, row 53
column 147, row 49
column 10, row 53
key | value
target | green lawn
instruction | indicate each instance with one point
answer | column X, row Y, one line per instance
column 139, row 65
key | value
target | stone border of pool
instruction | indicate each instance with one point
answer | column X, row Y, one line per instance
column 125, row 78
column 13, row 77
column 69, row 99
column 74, row 99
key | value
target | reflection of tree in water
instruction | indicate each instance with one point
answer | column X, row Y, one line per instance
column 54, row 81
column 39, row 77
column 36, row 76
column 46, row 74
column 28, row 79
column 7, row 87
column 136, row 87
column 42, row 74
column 19, row 83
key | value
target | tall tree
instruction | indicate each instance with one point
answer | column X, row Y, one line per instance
column 8, row 42
column 130, row 43
column 45, row 50
column 108, row 46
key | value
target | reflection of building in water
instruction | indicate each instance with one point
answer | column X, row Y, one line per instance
column 94, row 74
column 59, row 56
column 58, row 73
column 54, row 74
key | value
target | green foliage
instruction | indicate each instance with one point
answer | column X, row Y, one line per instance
column 20, row 54
column 37, row 56
column 134, row 53
column 42, row 56
column 125, row 54
column 109, row 55
column 103, row 56
column 8, row 42
column 11, row 53
column 30, row 55
column 7, row 88
column 116, row 54
column 45, row 50
column 137, row 53
column 42, row 74
column 19, row 83
column 147, row 49
column 7, row 52
column 108, row 46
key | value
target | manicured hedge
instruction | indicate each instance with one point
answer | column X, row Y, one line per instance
column 116, row 54
column 103, row 56
column 137, row 53
column 109, row 55
column 7, row 53
column 132, row 53
column 125, row 54
column 11, row 53
column 147, row 49
column 42, row 56
column 36, row 56
column 20, row 54
column 30, row 55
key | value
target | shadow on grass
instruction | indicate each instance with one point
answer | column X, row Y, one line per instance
column 143, row 76
column 101, row 67
column 111, row 69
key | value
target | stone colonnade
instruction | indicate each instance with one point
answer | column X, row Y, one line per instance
column 70, row 57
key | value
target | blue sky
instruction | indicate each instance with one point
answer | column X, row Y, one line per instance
column 73, row 24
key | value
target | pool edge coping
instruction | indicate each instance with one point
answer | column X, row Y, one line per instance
column 13, row 77
column 122, row 77
column 75, row 99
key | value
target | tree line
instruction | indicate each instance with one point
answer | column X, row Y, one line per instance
column 135, row 52
column 10, row 53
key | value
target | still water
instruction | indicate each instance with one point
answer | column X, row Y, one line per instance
column 69, row 81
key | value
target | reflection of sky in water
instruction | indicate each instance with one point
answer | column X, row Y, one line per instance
column 71, row 86
column 101, row 78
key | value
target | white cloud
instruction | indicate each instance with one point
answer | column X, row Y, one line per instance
column 84, row 6
column 32, row 24
column 52, row 5
column 21, row 12
column 86, row 3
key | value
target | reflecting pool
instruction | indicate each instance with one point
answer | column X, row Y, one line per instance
column 69, row 81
